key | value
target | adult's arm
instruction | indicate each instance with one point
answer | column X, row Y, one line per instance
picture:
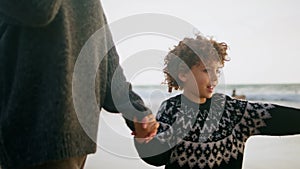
column 119, row 94
column 120, row 98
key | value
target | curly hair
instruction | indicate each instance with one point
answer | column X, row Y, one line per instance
column 190, row 52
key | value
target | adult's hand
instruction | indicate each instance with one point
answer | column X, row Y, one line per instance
column 146, row 129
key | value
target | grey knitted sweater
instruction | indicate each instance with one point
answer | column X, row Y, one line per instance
column 39, row 44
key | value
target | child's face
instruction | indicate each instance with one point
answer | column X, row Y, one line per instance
column 200, row 81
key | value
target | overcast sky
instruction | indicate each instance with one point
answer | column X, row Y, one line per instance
column 263, row 36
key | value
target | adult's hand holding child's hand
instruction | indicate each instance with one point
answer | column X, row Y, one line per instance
column 146, row 129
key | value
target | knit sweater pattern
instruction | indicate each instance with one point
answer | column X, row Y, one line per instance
column 211, row 135
column 40, row 42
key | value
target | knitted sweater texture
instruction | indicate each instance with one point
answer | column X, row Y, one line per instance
column 40, row 42
column 213, row 135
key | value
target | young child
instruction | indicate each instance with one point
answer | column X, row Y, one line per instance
column 200, row 129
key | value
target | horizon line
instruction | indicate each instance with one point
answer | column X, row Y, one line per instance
column 227, row 84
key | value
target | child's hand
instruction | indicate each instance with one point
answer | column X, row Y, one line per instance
column 146, row 129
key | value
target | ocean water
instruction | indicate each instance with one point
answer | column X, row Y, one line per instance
column 283, row 94
column 116, row 149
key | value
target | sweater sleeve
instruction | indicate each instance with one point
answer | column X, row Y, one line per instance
column 158, row 151
column 271, row 119
column 29, row 12
column 120, row 98
column 283, row 121
column 154, row 153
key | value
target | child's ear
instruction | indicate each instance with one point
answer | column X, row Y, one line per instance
column 182, row 77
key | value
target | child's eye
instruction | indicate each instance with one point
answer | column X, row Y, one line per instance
column 218, row 72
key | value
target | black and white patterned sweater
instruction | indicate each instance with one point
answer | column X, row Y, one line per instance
column 213, row 135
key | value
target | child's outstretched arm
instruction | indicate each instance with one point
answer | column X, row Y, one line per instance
column 256, row 118
column 268, row 119
column 283, row 121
